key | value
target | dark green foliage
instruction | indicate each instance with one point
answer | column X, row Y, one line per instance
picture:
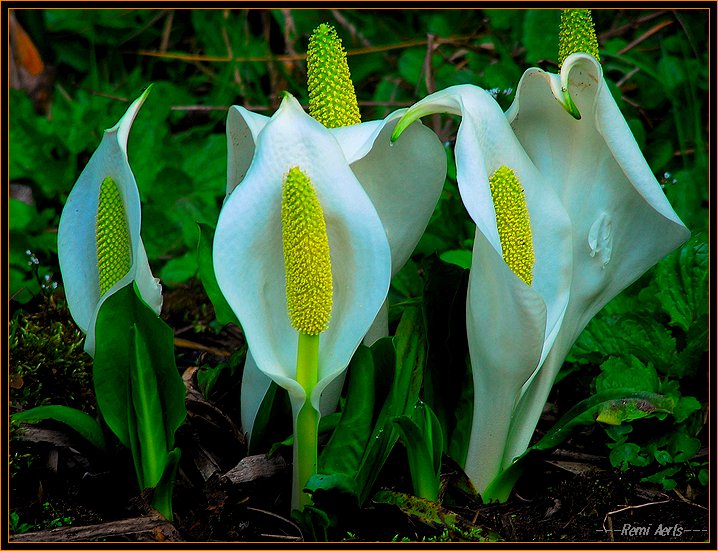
column 651, row 339
column 654, row 338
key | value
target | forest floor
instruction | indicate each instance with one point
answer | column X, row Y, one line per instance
column 63, row 490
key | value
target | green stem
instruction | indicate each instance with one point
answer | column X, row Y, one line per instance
column 305, row 439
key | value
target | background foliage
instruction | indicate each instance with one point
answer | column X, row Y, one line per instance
column 652, row 338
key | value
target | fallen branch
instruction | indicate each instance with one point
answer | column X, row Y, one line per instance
column 255, row 467
column 152, row 528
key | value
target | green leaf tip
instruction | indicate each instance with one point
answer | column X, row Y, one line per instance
column 332, row 99
column 413, row 114
column 576, row 34
column 570, row 106
column 146, row 92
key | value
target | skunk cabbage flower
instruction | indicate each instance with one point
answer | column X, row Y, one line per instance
column 249, row 260
column 98, row 238
column 622, row 223
column 614, row 224
column 403, row 180
column 521, row 266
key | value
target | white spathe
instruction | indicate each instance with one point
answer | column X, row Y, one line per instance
column 403, row 181
column 622, row 223
column 249, row 261
column 76, row 234
column 511, row 325
column 611, row 224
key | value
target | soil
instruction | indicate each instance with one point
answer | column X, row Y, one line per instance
column 571, row 494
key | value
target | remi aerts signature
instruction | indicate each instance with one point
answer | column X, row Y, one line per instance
column 650, row 530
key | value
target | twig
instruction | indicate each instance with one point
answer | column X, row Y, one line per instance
column 627, row 76
column 299, row 57
column 142, row 29
column 684, row 499
column 148, row 528
column 644, row 36
column 356, row 35
column 277, row 536
column 609, row 518
column 184, row 343
column 301, row 535
column 289, row 28
column 167, row 31
column 429, row 77
column 610, row 33
column 209, row 108
column 230, row 53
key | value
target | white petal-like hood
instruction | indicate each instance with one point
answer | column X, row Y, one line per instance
column 511, row 326
column 403, row 181
column 243, row 128
column 622, row 222
column 76, row 234
column 249, row 262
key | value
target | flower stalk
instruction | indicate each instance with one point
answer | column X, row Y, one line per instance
column 309, row 288
column 306, row 432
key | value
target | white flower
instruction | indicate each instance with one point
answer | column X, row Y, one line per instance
column 599, row 220
column 511, row 325
column 403, row 181
column 77, row 235
column 249, row 262
column 622, row 223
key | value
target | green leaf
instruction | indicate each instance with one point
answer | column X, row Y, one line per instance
column 430, row 428
column 627, row 455
column 345, row 449
column 504, row 20
column 618, row 411
column 583, row 413
column 664, row 478
column 151, row 436
column 421, row 437
column 671, row 70
column 137, row 385
column 459, row 257
column 209, row 375
column 682, row 283
column 180, row 269
column 274, row 417
column 21, row 216
column 627, row 373
column 410, row 345
column 222, row 310
column 410, row 358
column 162, row 497
column 683, row 447
column 662, row 457
column 84, row 424
column 333, row 492
column 685, row 407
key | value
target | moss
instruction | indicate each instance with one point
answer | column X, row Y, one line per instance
column 47, row 362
